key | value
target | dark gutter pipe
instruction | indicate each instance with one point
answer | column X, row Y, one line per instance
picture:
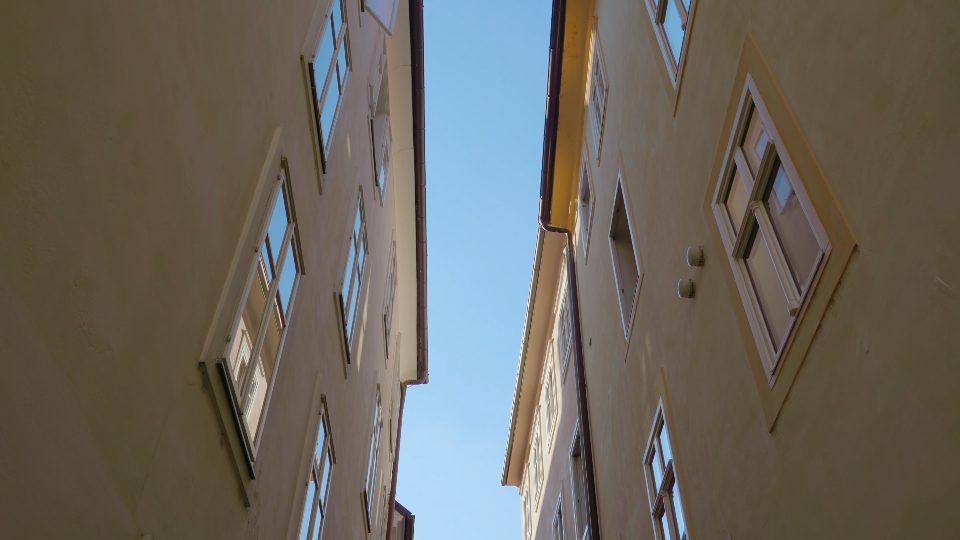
column 420, row 215
column 551, row 122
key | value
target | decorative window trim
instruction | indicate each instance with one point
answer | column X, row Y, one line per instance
column 660, row 497
column 754, row 77
column 214, row 372
column 672, row 72
column 627, row 322
column 596, row 119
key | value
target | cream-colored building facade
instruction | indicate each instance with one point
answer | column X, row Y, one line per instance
column 749, row 207
column 215, row 269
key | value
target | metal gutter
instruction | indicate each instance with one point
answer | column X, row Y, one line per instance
column 420, row 215
column 551, row 123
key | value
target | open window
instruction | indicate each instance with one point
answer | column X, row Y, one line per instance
column 626, row 266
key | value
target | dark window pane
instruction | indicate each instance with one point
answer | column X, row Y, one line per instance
column 793, row 228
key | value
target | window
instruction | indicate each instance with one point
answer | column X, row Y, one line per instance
column 353, row 273
column 549, row 386
column 370, row 486
column 671, row 19
column 584, row 203
column 384, row 11
column 390, row 296
column 776, row 242
column 318, row 483
column 557, row 528
column 328, row 68
column 666, row 508
column 597, row 89
column 380, row 127
column 626, row 268
column 578, row 484
column 536, row 459
column 564, row 328
column 263, row 316
column 527, row 518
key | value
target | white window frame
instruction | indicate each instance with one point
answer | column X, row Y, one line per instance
column 597, row 92
column 549, row 397
column 335, row 74
column 373, row 465
column 664, row 497
column 557, row 529
column 389, row 300
column 320, row 475
column 627, row 312
column 578, row 482
column 657, row 10
column 756, row 222
column 351, row 284
column 241, row 392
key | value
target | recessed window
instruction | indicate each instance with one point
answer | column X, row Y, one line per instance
column 373, row 466
column 328, row 68
column 390, row 296
column 557, row 528
column 671, row 20
column 564, row 327
column 258, row 333
column 353, row 274
column 666, row 509
column 549, row 397
column 584, row 203
column 380, row 132
column 318, row 483
column 578, row 486
column 626, row 267
column 775, row 241
column 597, row 89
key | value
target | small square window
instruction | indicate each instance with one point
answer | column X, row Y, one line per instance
column 626, row 266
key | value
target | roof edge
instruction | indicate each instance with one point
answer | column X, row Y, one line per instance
column 420, row 184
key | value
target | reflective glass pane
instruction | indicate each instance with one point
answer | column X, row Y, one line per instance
column 307, row 509
column 793, row 228
column 737, row 199
column 678, row 513
column 342, row 68
column 321, row 440
column 328, row 110
column 352, row 302
column 673, row 28
column 766, row 284
column 665, row 445
column 657, row 469
column 323, row 61
column 255, row 399
column 336, row 16
column 325, row 479
column 277, row 226
column 361, row 255
column 265, row 367
column 755, row 141
column 665, row 526
column 250, row 318
column 288, row 276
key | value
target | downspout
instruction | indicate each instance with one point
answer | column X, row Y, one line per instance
column 420, row 216
column 557, row 26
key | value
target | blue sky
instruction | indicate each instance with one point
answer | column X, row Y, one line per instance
column 485, row 70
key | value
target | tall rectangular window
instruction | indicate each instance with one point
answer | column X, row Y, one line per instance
column 536, row 459
column 261, row 323
column 666, row 509
column 549, row 400
column 564, row 328
column 670, row 19
column 597, row 89
column 318, row 483
column 626, row 268
column 776, row 242
column 527, row 514
column 390, row 297
column 329, row 68
column 380, row 130
column 578, row 486
column 353, row 274
column 373, row 466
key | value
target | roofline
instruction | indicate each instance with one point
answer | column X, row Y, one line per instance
column 522, row 364
column 420, row 184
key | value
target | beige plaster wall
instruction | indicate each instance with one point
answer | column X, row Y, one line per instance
column 130, row 150
column 865, row 444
